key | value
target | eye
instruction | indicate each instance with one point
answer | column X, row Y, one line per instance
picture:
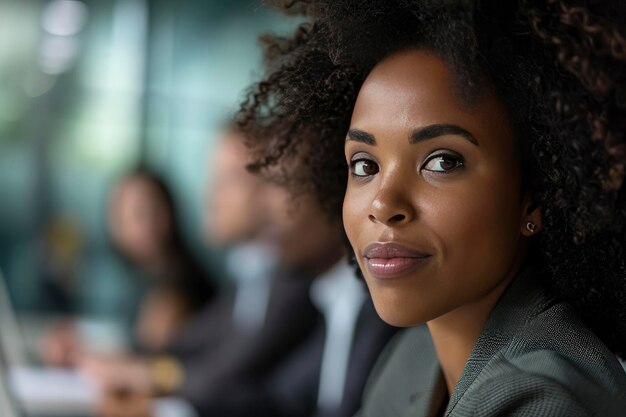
column 443, row 163
column 363, row 167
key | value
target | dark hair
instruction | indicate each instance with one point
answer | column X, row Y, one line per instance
column 558, row 65
column 182, row 273
column 154, row 179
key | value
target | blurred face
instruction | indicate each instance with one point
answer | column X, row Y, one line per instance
column 140, row 220
column 300, row 232
column 433, row 207
column 234, row 214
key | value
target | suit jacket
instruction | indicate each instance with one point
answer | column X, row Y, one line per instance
column 534, row 357
column 217, row 357
column 294, row 388
column 291, row 389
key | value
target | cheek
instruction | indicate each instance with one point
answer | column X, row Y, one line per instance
column 355, row 213
column 478, row 227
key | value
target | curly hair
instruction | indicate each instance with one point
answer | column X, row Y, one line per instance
column 559, row 66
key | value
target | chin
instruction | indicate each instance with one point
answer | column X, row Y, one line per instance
column 397, row 316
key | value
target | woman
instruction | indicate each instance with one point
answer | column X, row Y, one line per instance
column 168, row 283
column 480, row 149
column 144, row 230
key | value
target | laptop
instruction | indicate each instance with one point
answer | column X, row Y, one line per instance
column 33, row 389
column 8, row 407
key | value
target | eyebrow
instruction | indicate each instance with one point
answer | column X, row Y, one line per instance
column 433, row 131
column 418, row 135
column 360, row 136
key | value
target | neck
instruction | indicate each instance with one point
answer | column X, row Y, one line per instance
column 454, row 334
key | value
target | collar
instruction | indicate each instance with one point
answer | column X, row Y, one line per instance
column 250, row 262
column 337, row 285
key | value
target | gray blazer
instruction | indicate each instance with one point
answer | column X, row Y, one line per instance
column 534, row 358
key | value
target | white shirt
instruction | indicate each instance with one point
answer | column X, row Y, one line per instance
column 251, row 267
column 339, row 295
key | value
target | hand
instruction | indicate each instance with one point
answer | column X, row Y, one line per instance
column 60, row 345
column 118, row 373
column 124, row 404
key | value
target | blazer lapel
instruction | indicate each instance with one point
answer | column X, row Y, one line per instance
column 521, row 300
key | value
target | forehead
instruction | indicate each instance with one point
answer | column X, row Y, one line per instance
column 409, row 81
column 136, row 191
column 415, row 88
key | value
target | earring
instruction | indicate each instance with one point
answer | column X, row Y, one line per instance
column 531, row 227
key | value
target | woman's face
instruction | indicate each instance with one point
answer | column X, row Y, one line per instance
column 140, row 220
column 433, row 207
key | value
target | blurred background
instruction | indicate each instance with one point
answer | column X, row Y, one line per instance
column 88, row 90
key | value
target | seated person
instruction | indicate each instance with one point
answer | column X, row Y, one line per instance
column 323, row 376
column 172, row 286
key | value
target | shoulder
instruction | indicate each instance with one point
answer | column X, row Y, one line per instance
column 557, row 342
column 552, row 366
column 506, row 389
column 541, row 382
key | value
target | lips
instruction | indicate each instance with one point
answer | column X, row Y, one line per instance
column 392, row 260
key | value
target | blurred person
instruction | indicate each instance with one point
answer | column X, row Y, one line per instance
column 324, row 376
column 262, row 315
column 144, row 231
column 244, row 334
column 235, row 221
column 144, row 228
column 232, row 216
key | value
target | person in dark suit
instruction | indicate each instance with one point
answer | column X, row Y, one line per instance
column 296, row 389
column 220, row 352
column 325, row 376
column 475, row 151
column 244, row 334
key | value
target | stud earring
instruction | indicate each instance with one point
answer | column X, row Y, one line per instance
column 531, row 227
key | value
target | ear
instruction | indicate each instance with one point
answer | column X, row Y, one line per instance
column 531, row 221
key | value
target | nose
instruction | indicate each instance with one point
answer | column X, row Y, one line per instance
column 392, row 204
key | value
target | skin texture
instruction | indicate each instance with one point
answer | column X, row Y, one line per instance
column 470, row 221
